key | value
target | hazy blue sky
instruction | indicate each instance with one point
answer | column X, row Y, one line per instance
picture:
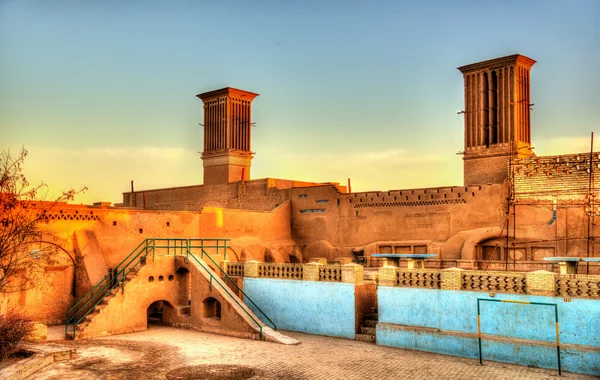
column 102, row 92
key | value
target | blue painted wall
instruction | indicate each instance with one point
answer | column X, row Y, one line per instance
column 322, row 308
column 449, row 322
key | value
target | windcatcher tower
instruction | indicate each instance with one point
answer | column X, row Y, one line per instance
column 227, row 155
column 497, row 117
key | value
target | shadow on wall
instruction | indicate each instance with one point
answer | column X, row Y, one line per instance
column 161, row 313
column 211, row 308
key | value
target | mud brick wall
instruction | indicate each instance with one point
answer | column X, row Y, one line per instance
column 563, row 177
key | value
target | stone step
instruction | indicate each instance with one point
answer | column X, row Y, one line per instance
column 155, row 320
column 365, row 338
column 369, row 323
column 367, row 330
column 372, row 317
column 99, row 307
column 83, row 325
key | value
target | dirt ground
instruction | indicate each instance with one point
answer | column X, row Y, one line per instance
column 170, row 353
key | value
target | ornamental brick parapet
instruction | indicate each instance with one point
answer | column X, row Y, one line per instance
column 387, row 275
column 310, row 271
column 541, row 283
column 537, row 283
column 251, row 268
column 451, row 279
column 353, row 273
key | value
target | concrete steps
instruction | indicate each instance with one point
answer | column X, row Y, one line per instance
column 365, row 338
column 367, row 329
column 104, row 303
column 243, row 310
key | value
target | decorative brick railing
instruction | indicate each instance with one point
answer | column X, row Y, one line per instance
column 539, row 282
column 235, row 269
column 570, row 285
column 418, row 278
column 313, row 271
column 501, row 282
column 280, row 270
column 330, row 273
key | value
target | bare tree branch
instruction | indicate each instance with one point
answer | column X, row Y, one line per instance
column 25, row 247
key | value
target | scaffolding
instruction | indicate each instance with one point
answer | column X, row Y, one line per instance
column 589, row 204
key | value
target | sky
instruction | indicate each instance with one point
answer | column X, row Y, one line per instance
column 103, row 92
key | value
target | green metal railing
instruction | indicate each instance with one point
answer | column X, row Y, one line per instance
column 176, row 246
column 237, row 287
column 114, row 278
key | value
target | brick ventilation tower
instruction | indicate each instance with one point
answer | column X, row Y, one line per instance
column 497, row 115
column 227, row 155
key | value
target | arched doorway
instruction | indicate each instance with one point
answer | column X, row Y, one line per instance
column 160, row 313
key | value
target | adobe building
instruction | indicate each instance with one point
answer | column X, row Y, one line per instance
column 497, row 117
column 513, row 209
column 227, row 155
column 499, row 217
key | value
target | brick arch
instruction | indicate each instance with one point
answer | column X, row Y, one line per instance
column 469, row 251
column 161, row 311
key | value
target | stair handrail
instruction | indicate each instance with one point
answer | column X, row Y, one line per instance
column 104, row 278
column 113, row 283
column 204, row 253
column 224, row 287
column 114, row 278
column 118, row 279
column 120, row 272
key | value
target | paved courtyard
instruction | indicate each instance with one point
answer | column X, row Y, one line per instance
column 170, row 353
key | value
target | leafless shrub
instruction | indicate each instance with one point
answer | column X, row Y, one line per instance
column 13, row 328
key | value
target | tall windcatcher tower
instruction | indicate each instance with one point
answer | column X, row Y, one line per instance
column 227, row 155
column 497, row 116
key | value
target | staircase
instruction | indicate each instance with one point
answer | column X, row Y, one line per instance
column 181, row 250
column 80, row 315
column 368, row 326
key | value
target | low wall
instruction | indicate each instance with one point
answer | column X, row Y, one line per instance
column 322, row 308
column 445, row 321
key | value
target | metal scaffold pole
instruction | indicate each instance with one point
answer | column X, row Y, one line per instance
column 590, row 203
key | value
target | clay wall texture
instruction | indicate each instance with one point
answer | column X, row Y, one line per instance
column 258, row 194
column 356, row 219
column 98, row 238
column 163, row 279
